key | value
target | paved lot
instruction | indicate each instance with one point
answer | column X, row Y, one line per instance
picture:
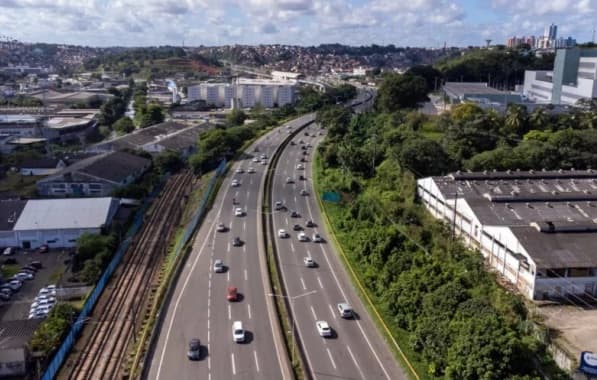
column 578, row 327
column 53, row 266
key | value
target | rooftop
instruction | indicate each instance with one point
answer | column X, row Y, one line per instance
column 553, row 213
column 15, row 334
column 264, row 82
column 71, row 213
column 470, row 88
column 10, row 210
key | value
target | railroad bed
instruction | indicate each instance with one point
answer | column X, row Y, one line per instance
column 112, row 327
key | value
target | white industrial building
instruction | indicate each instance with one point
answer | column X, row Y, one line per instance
column 286, row 76
column 574, row 77
column 55, row 222
column 538, row 230
column 247, row 93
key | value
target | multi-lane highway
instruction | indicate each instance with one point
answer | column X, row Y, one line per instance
column 356, row 349
column 199, row 307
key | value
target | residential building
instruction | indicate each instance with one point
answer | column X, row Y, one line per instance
column 21, row 125
column 214, row 94
column 536, row 229
column 574, row 77
column 247, row 92
column 60, row 222
column 42, row 166
column 96, row 176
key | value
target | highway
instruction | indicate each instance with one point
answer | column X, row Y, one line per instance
column 356, row 349
column 199, row 307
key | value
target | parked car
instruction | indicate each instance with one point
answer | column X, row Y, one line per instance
column 29, row 267
column 43, row 248
column 24, row 276
column 36, row 264
column 8, row 251
column 5, row 296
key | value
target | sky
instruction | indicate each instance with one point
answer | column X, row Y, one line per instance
column 422, row 23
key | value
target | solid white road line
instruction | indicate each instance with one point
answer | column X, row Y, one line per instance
column 291, row 247
column 228, row 248
column 313, row 312
column 229, row 312
column 244, row 226
column 256, row 360
column 234, row 365
column 249, row 310
column 331, row 358
column 355, row 362
column 246, row 275
column 303, row 283
column 228, row 276
column 320, row 284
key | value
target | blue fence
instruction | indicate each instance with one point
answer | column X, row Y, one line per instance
column 71, row 338
column 196, row 218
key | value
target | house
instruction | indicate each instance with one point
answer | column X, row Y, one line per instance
column 14, row 353
column 42, row 166
column 97, row 176
column 538, row 230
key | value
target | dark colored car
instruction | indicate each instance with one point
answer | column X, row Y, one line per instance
column 194, row 351
column 294, row 214
column 301, row 177
column 43, row 248
column 36, row 264
column 297, row 227
column 237, row 242
column 29, row 268
column 310, row 224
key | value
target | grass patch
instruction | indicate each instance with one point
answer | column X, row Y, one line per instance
column 22, row 185
column 9, row 270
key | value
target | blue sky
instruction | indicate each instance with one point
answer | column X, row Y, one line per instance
column 427, row 23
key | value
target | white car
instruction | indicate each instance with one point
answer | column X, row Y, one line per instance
column 289, row 180
column 304, row 192
column 45, row 292
column 238, row 333
column 309, row 262
column 218, row 266
column 23, row 276
column 250, row 170
column 239, row 171
column 235, row 183
column 264, row 156
column 263, row 162
column 323, row 328
column 255, row 159
column 278, row 205
column 282, row 234
column 303, row 237
column 15, row 284
column 221, row 227
column 239, row 212
column 300, row 167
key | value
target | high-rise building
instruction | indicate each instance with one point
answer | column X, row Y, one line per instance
column 553, row 32
column 574, row 77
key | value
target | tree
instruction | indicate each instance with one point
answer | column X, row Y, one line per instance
column 425, row 157
column 401, row 91
column 169, row 161
column 516, row 119
column 236, row 117
column 89, row 246
column 150, row 115
column 123, row 125
column 432, row 75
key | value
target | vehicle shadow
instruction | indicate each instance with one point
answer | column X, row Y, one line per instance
column 248, row 337
column 203, row 352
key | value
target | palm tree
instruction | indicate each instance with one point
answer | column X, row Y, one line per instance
column 516, row 119
column 538, row 119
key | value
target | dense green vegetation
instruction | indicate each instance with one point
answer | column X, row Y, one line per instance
column 499, row 66
column 456, row 319
column 50, row 333
column 93, row 254
column 146, row 113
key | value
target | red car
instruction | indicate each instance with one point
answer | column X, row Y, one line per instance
column 232, row 294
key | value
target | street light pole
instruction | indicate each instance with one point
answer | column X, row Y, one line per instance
column 292, row 298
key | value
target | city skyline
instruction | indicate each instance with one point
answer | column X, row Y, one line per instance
column 424, row 23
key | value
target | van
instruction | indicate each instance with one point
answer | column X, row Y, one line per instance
column 345, row 310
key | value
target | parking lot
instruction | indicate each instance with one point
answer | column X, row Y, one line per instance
column 51, row 273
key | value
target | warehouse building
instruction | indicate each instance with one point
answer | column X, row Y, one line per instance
column 538, row 230
column 59, row 222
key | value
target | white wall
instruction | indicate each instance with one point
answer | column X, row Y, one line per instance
column 59, row 238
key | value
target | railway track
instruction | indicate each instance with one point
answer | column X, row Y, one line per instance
column 115, row 323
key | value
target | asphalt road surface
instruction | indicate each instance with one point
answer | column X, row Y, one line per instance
column 356, row 349
column 199, row 307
